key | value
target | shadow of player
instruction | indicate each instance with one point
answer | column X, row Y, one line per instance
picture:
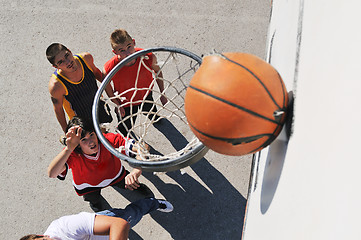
column 212, row 210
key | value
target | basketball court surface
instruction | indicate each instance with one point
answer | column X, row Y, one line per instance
column 209, row 197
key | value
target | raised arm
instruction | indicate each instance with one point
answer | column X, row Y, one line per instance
column 116, row 228
column 57, row 165
column 57, row 93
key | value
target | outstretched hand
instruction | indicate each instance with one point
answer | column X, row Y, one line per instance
column 131, row 180
column 73, row 137
column 58, row 164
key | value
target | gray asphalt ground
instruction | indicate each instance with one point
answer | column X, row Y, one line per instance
column 209, row 197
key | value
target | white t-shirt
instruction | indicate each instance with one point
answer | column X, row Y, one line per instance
column 76, row 227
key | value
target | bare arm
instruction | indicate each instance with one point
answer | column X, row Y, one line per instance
column 90, row 61
column 109, row 89
column 99, row 75
column 57, row 93
column 131, row 180
column 57, row 165
column 160, row 82
column 116, row 228
column 110, row 92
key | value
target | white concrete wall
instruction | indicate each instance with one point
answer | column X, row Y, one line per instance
column 308, row 187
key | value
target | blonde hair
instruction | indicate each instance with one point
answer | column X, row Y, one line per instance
column 119, row 36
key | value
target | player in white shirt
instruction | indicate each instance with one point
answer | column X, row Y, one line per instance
column 113, row 224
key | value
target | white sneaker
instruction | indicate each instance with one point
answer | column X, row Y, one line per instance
column 165, row 206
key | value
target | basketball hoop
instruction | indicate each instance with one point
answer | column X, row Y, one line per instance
column 164, row 127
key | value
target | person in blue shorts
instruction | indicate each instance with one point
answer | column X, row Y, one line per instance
column 109, row 224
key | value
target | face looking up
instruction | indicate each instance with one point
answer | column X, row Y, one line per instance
column 89, row 143
column 65, row 61
column 124, row 50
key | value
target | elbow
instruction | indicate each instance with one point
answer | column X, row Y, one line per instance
column 51, row 173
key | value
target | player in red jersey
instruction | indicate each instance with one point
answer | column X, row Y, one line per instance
column 93, row 166
column 131, row 76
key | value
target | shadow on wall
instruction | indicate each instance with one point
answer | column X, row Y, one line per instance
column 275, row 160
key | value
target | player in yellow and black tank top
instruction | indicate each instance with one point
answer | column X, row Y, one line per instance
column 80, row 95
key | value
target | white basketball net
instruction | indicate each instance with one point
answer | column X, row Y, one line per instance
column 177, row 71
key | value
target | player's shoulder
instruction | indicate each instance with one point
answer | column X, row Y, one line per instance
column 109, row 135
column 149, row 58
column 112, row 59
column 113, row 138
column 54, row 85
column 86, row 56
column 111, row 62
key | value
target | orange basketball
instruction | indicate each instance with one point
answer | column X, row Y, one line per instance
column 236, row 103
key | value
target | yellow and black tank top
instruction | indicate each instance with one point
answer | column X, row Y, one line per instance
column 79, row 96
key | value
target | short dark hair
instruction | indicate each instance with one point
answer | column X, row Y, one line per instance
column 86, row 125
column 31, row 237
column 53, row 50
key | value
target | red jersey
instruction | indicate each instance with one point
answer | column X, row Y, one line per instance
column 126, row 78
column 93, row 173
